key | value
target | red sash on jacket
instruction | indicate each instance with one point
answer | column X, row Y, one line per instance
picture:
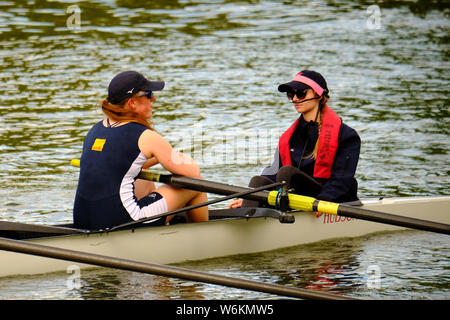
column 328, row 144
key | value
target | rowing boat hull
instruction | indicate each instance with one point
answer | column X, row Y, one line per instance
column 198, row 241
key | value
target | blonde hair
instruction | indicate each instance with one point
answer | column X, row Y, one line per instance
column 323, row 101
column 121, row 112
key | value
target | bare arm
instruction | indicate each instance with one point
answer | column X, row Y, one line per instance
column 152, row 144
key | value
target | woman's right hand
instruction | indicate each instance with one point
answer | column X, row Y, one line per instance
column 236, row 203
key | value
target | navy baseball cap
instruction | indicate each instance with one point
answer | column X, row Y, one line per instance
column 306, row 79
column 127, row 83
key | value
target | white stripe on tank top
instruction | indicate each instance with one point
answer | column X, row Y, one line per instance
column 128, row 198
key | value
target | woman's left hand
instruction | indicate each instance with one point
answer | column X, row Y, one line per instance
column 236, row 203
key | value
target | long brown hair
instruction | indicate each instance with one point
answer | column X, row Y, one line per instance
column 121, row 112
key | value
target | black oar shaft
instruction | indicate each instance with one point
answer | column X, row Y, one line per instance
column 332, row 208
column 162, row 270
column 382, row 217
column 205, row 186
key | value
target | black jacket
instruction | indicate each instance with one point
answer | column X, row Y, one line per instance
column 342, row 185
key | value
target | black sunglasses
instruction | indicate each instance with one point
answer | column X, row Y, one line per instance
column 148, row 94
column 301, row 94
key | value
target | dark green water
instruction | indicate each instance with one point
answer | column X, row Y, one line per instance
column 388, row 72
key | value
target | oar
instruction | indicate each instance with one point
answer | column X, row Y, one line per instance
column 26, row 227
column 162, row 270
column 296, row 202
column 302, row 203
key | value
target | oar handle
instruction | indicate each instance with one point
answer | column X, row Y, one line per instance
column 75, row 163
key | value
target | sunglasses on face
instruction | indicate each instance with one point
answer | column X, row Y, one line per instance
column 148, row 94
column 301, row 94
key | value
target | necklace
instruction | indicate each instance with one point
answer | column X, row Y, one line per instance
column 111, row 125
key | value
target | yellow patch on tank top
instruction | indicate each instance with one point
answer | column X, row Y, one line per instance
column 98, row 144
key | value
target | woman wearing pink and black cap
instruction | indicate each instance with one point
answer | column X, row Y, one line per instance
column 318, row 155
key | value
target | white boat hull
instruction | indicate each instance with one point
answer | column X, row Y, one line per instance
column 198, row 241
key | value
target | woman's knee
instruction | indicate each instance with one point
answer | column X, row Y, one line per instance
column 298, row 181
column 259, row 181
column 175, row 198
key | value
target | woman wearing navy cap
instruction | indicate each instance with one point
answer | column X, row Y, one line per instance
column 114, row 152
column 318, row 155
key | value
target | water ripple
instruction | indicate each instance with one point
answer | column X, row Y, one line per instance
column 222, row 62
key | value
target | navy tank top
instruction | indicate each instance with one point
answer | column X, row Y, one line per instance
column 110, row 163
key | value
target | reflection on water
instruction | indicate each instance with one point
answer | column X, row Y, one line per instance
column 222, row 62
column 400, row 265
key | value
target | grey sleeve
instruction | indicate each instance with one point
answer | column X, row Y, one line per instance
column 273, row 169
